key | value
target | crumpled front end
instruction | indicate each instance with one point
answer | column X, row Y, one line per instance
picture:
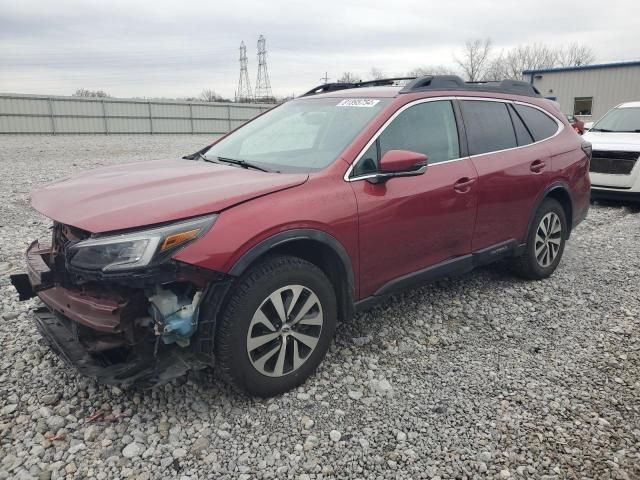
column 142, row 327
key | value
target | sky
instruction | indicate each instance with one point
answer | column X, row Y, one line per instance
column 172, row 49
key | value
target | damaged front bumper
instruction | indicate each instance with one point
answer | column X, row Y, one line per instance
column 117, row 330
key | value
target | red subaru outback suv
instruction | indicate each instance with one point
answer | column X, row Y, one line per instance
column 252, row 249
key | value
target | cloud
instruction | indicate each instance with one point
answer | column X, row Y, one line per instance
column 172, row 49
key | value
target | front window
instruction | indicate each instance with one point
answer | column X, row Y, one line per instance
column 301, row 135
column 428, row 128
column 625, row 119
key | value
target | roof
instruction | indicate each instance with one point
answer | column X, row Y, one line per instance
column 635, row 63
column 629, row 105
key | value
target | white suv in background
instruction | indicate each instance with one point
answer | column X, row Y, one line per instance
column 615, row 167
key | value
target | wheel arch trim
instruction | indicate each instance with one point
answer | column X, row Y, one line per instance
column 289, row 236
column 554, row 187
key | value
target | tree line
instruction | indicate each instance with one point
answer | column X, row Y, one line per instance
column 480, row 61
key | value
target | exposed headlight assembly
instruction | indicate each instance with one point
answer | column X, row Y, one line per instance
column 138, row 249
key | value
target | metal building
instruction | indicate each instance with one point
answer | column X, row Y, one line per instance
column 589, row 91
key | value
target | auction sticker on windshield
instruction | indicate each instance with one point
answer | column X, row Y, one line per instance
column 358, row 102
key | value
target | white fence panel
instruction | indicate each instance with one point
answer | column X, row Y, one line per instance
column 68, row 115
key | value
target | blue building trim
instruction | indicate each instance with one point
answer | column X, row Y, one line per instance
column 634, row 63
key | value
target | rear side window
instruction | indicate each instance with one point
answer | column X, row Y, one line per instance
column 522, row 134
column 488, row 126
column 540, row 124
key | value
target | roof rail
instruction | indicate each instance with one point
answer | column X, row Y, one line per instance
column 453, row 82
column 332, row 87
column 435, row 82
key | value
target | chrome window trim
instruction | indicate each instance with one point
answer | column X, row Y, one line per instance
column 450, row 98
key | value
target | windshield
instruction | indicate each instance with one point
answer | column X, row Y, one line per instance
column 300, row 135
column 619, row 120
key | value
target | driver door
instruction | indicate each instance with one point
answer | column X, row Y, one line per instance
column 407, row 224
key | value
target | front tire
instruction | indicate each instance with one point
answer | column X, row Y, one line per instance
column 545, row 242
column 276, row 327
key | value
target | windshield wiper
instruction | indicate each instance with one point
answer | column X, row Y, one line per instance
column 197, row 156
column 204, row 159
column 241, row 163
column 600, row 130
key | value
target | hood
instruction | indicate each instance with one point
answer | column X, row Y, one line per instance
column 613, row 141
column 146, row 193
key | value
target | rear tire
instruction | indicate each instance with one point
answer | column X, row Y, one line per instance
column 276, row 327
column 545, row 242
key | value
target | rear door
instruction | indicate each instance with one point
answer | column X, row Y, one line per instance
column 511, row 167
column 409, row 223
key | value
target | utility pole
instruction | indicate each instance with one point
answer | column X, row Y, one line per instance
column 325, row 78
column 244, row 93
column 263, row 84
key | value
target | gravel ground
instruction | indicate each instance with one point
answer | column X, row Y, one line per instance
column 482, row 376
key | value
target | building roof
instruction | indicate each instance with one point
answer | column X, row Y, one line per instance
column 634, row 63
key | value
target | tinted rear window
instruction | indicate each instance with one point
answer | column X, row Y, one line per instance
column 540, row 124
column 488, row 126
column 522, row 134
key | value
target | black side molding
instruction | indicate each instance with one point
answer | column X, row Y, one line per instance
column 448, row 268
column 488, row 255
column 454, row 266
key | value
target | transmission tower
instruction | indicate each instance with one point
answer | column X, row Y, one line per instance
column 244, row 93
column 263, row 85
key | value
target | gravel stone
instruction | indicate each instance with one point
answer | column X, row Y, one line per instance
column 355, row 394
column 9, row 409
column 179, row 453
column 132, row 450
column 50, row 398
column 91, row 433
column 484, row 373
column 202, row 443
column 56, row 422
column 307, row 423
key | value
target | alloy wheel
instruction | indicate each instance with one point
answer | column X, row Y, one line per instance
column 284, row 331
column 548, row 239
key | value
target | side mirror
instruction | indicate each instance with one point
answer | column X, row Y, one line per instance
column 587, row 126
column 400, row 163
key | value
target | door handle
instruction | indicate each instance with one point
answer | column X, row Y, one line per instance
column 537, row 166
column 464, row 184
